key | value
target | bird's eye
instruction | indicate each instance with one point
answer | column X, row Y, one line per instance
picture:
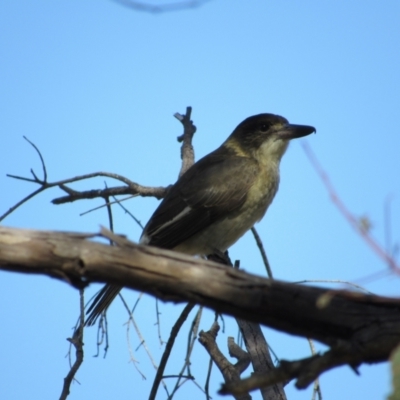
column 264, row 127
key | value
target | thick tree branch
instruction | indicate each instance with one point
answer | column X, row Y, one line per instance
column 260, row 356
column 358, row 328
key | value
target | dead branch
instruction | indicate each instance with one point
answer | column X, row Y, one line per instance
column 306, row 371
column 77, row 342
column 358, row 328
column 131, row 188
column 230, row 372
column 257, row 348
column 187, row 150
column 168, row 348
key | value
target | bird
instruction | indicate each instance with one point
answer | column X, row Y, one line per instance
column 220, row 197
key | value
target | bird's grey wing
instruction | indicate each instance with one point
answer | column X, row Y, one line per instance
column 215, row 186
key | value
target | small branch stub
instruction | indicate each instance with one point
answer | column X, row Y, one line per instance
column 187, row 151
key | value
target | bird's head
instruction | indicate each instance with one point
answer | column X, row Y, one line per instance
column 265, row 137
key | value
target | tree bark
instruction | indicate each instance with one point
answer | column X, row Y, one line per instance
column 365, row 327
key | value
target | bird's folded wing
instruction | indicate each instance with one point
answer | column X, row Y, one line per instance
column 214, row 187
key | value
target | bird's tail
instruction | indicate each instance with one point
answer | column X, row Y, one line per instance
column 101, row 302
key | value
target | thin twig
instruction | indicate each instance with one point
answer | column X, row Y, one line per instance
column 210, row 364
column 132, row 188
column 138, row 332
column 168, row 348
column 190, row 344
column 317, row 386
column 77, row 342
column 131, row 355
column 41, row 160
column 388, row 226
column 108, row 203
column 110, row 216
column 24, row 200
column 207, row 383
column 262, row 251
column 194, row 330
column 119, row 202
column 158, row 324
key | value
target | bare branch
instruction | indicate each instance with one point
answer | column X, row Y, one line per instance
column 230, row 372
column 132, row 188
column 256, row 344
column 357, row 327
column 353, row 221
column 187, row 151
column 24, row 200
column 306, row 371
column 262, row 251
column 317, row 387
column 168, row 348
column 77, row 342
column 186, row 365
column 241, row 355
column 155, row 9
column 41, row 160
column 257, row 348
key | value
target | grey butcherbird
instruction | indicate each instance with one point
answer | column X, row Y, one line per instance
column 220, row 197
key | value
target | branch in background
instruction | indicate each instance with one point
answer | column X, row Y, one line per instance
column 360, row 225
column 155, row 8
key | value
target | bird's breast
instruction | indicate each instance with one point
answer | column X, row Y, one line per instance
column 261, row 193
column 225, row 232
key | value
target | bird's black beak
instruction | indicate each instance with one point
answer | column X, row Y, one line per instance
column 291, row 131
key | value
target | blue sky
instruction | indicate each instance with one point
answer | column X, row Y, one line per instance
column 94, row 85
